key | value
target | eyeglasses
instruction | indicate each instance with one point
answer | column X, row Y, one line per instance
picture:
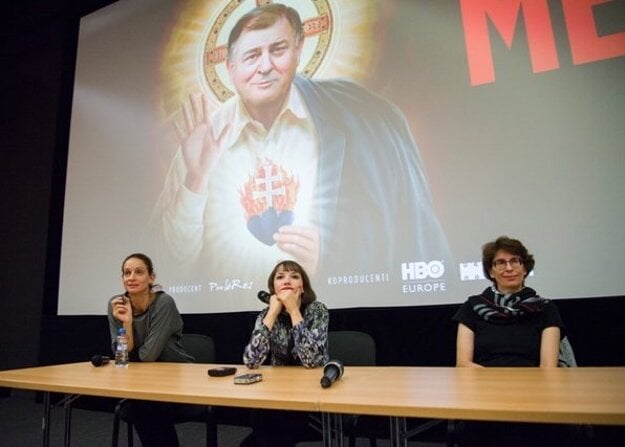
column 500, row 264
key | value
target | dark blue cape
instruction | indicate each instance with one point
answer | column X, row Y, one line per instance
column 376, row 209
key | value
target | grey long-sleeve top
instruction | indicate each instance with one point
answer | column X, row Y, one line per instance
column 156, row 332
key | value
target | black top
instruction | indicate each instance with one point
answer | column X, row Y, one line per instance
column 512, row 343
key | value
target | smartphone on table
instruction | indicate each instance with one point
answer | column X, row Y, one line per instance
column 245, row 379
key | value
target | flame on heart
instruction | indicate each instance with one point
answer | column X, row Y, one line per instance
column 268, row 199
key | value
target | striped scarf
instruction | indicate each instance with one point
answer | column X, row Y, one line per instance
column 497, row 307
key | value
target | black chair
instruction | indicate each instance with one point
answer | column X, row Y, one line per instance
column 202, row 348
column 353, row 348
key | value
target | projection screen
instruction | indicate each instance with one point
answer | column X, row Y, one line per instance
column 414, row 132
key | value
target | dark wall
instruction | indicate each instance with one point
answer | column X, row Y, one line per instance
column 37, row 54
column 32, row 62
column 412, row 336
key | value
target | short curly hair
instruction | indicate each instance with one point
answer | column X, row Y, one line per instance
column 512, row 246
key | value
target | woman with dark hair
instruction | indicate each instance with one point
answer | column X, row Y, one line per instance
column 291, row 330
column 294, row 327
column 154, row 329
column 508, row 324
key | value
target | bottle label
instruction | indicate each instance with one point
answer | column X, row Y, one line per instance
column 121, row 351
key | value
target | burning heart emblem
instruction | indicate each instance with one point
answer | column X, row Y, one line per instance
column 268, row 198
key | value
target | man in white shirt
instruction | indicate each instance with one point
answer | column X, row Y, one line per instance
column 317, row 171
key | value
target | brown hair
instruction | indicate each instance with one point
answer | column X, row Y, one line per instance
column 263, row 17
column 512, row 246
column 148, row 263
column 146, row 260
column 308, row 294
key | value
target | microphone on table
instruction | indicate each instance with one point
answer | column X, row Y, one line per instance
column 264, row 296
column 99, row 360
column 332, row 371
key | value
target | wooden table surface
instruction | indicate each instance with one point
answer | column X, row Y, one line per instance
column 564, row 395
column 289, row 388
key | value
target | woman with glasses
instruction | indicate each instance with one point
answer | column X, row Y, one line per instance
column 508, row 324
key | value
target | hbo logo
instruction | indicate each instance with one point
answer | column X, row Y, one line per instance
column 411, row 271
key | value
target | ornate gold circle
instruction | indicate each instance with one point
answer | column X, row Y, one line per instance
column 214, row 54
column 194, row 52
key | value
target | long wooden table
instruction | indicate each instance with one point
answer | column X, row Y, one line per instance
column 287, row 388
column 554, row 395
column 558, row 395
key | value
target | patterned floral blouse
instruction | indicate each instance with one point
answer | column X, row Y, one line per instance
column 304, row 344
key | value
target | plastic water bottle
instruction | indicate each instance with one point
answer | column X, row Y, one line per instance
column 121, row 351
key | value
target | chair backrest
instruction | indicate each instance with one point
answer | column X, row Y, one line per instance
column 566, row 356
column 353, row 348
column 201, row 347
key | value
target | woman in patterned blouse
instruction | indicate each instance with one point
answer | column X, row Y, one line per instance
column 292, row 330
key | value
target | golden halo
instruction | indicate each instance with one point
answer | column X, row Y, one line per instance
column 215, row 54
column 338, row 43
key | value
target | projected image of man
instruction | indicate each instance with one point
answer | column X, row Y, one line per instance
column 320, row 171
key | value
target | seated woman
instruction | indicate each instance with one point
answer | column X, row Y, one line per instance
column 292, row 330
column 154, row 329
column 508, row 324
